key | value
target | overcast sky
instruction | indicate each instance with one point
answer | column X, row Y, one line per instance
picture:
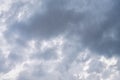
column 59, row 39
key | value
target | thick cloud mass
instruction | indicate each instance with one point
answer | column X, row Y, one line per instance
column 99, row 29
column 59, row 40
column 104, row 37
column 50, row 23
column 94, row 23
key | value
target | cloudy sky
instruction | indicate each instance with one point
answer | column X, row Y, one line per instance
column 59, row 39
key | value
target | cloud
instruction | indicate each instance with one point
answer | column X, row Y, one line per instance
column 59, row 40
column 98, row 30
column 51, row 22
column 95, row 24
column 4, row 67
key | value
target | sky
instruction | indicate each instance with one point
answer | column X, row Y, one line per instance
column 59, row 40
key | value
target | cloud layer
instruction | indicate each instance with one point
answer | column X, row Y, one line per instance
column 59, row 40
column 94, row 23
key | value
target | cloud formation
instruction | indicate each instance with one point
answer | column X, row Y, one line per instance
column 59, row 40
column 95, row 23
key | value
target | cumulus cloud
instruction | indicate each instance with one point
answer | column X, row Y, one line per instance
column 59, row 40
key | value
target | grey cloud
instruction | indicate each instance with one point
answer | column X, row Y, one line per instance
column 96, row 67
column 4, row 64
column 93, row 76
column 70, row 53
column 95, row 26
column 53, row 21
column 49, row 54
column 15, row 57
column 99, row 32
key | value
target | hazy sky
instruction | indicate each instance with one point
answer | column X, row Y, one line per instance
column 59, row 39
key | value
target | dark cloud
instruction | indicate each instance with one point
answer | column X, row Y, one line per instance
column 96, row 28
column 52, row 22
column 100, row 36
